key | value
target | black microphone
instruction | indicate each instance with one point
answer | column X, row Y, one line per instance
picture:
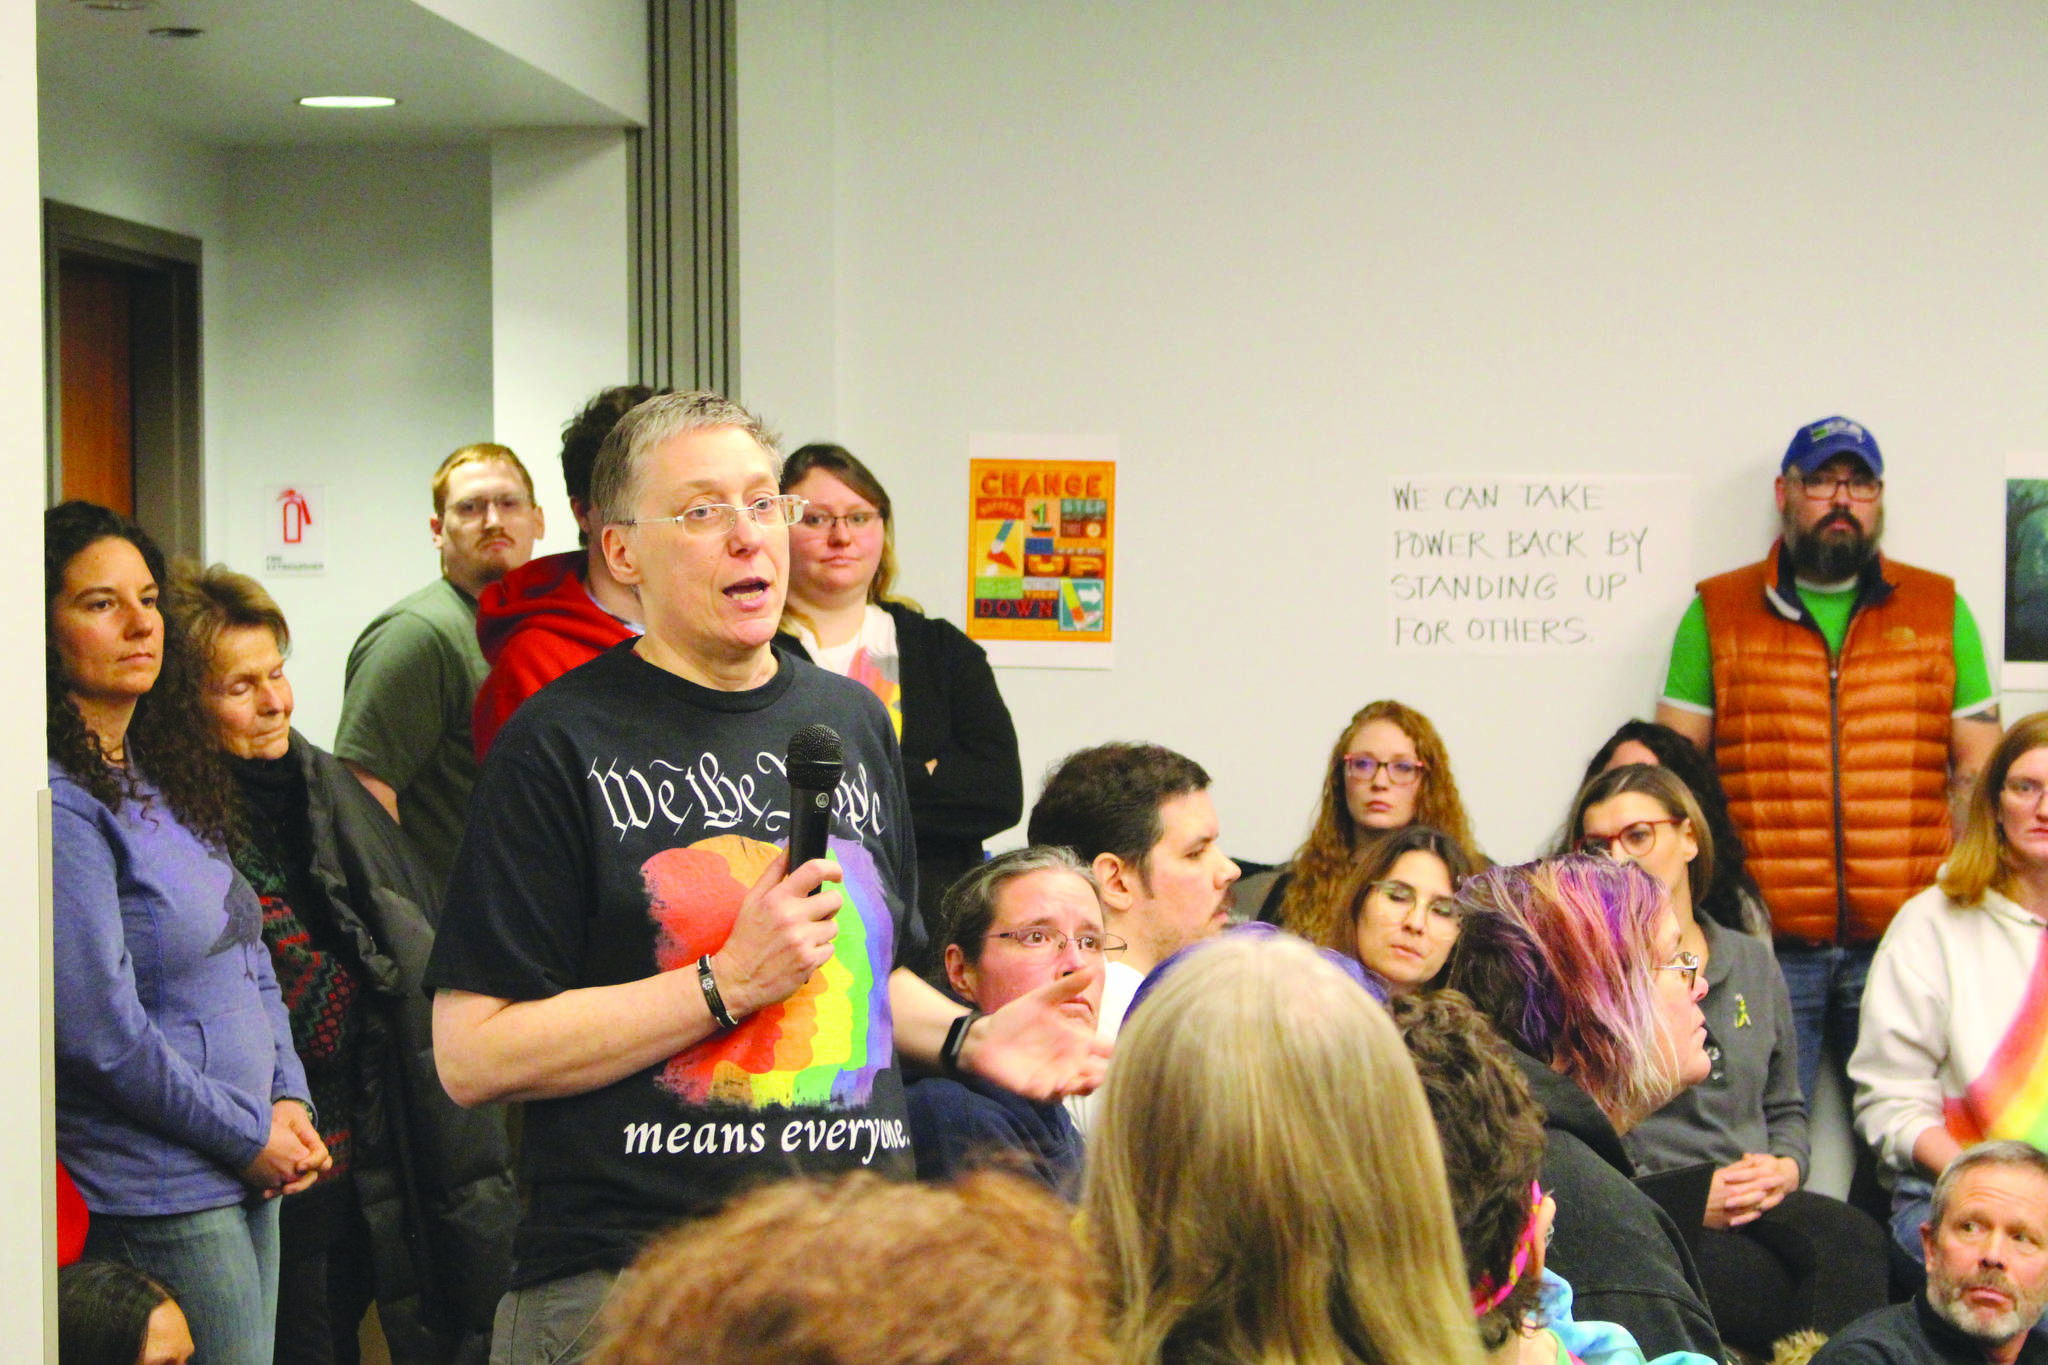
column 815, row 759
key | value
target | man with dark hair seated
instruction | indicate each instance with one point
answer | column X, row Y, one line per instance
column 1140, row 816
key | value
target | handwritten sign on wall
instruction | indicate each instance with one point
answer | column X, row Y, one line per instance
column 1521, row 564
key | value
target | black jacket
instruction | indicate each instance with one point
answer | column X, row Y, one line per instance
column 1625, row 1259
column 1912, row 1334
column 952, row 712
column 433, row 1179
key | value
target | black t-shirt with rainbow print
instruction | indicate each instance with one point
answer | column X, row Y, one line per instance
column 622, row 815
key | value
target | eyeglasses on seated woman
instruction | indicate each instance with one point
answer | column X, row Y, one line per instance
column 1774, row 1258
column 1388, row 770
column 1019, row 922
column 1562, row 956
column 1404, row 914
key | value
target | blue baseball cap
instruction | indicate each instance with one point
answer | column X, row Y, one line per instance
column 1814, row 444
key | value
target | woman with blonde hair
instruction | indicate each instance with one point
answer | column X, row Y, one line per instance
column 1388, row 770
column 961, row 768
column 1950, row 1051
column 1264, row 1186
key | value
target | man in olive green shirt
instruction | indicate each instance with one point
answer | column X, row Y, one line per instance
column 414, row 672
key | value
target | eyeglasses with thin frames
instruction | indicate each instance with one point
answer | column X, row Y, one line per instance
column 1635, row 841
column 1041, row 941
column 1442, row 909
column 820, row 522
column 2024, row 790
column 1686, row 965
column 509, row 505
column 718, row 518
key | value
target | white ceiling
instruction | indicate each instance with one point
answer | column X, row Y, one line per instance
column 238, row 84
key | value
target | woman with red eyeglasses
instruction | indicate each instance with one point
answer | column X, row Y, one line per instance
column 1387, row 771
column 1774, row 1257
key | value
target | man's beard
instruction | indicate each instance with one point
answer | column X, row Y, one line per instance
column 1945, row 1296
column 1835, row 549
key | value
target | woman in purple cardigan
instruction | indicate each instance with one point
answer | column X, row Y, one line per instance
column 182, row 1110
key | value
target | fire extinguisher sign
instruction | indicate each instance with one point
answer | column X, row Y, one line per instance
column 295, row 535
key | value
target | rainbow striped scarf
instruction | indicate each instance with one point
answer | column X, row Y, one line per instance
column 2010, row 1098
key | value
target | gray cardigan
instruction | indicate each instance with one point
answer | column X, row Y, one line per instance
column 1751, row 1101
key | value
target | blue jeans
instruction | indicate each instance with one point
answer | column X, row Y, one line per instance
column 1826, row 986
column 553, row 1322
column 219, row 1264
column 1912, row 1204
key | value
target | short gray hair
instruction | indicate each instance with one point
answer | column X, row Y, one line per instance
column 2005, row 1152
column 969, row 907
column 616, row 475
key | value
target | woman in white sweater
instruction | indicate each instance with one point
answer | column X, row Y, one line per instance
column 1954, row 1040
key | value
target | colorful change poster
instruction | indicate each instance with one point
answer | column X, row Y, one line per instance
column 1041, row 550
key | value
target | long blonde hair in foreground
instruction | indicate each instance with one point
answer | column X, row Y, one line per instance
column 1265, row 1187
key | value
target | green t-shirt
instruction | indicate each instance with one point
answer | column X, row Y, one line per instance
column 405, row 708
column 1689, row 682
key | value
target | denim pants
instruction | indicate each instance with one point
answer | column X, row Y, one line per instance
column 1826, row 986
column 553, row 1322
column 220, row 1265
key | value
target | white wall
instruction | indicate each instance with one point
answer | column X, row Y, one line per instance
column 561, row 282
column 596, row 46
column 1286, row 252
column 27, row 1152
column 787, row 299
column 354, row 352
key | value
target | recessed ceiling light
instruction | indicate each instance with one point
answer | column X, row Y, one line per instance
column 173, row 33
column 348, row 101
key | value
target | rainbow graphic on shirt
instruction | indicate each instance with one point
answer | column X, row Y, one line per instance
column 821, row 1047
column 879, row 677
column 2010, row 1098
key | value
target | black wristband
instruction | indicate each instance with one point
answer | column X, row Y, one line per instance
column 956, row 1039
column 712, row 998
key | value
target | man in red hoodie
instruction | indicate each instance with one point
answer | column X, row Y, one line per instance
column 562, row 610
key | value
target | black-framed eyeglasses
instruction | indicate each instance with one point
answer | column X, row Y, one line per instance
column 1404, row 898
column 1401, row 772
column 1636, row 840
column 717, row 518
column 1043, row 941
column 1686, row 965
column 1862, row 487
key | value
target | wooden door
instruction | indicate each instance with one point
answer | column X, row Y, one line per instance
column 95, row 368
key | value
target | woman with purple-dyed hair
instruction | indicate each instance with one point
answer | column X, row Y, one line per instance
column 1576, row 962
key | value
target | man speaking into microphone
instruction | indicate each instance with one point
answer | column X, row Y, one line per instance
column 625, row 946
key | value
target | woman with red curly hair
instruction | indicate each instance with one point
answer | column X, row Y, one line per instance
column 1388, row 770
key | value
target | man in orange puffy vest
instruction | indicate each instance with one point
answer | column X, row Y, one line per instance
column 1844, row 697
